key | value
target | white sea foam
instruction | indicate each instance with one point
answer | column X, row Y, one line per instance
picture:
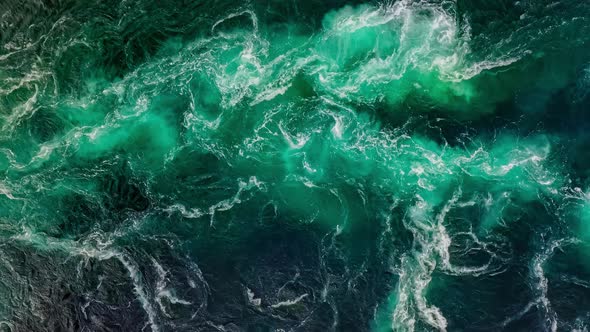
column 288, row 303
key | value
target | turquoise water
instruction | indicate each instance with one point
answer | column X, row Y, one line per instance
column 294, row 166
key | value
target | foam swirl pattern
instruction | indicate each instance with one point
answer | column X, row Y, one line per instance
column 407, row 165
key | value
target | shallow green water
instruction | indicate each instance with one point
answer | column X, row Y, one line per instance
column 294, row 166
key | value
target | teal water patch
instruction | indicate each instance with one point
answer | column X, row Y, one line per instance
column 313, row 166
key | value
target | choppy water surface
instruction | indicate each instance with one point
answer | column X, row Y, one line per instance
column 294, row 165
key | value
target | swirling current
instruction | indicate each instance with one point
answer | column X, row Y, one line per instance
column 271, row 165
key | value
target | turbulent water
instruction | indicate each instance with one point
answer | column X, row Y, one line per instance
column 305, row 165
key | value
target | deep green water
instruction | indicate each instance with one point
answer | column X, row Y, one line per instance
column 305, row 165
